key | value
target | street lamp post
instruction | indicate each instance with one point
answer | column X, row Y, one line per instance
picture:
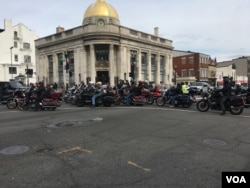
column 175, row 75
column 11, row 61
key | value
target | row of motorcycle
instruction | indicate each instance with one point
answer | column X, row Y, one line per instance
column 82, row 96
column 25, row 99
column 210, row 100
column 113, row 96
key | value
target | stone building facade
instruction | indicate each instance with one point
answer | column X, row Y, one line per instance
column 103, row 50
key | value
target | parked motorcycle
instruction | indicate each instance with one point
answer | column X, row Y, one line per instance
column 246, row 97
column 211, row 100
column 84, row 98
column 29, row 102
column 138, row 100
column 148, row 96
column 184, row 100
column 57, row 97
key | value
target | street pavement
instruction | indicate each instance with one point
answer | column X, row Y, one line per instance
column 121, row 147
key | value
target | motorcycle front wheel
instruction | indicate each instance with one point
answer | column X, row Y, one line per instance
column 150, row 99
column 202, row 106
column 236, row 110
column 161, row 101
column 11, row 104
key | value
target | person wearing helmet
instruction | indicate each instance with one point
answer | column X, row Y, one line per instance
column 226, row 91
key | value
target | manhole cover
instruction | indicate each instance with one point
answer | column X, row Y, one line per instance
column 70, row 123
column 214, row 142
column 14, row 150
column 66, row 124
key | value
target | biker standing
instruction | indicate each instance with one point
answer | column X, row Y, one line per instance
column 226, row 91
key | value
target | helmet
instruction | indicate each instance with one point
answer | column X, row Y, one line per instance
column 99, row 83
column 90, row 82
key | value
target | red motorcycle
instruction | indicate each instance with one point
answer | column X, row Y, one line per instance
column 30, row 99
column 122, row 98
column 57, row 97
column 148, row 96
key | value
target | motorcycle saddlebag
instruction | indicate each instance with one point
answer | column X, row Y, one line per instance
column 236, row 101
column 184, row 98
column 108, row 99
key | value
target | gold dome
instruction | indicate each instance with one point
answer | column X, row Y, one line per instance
column 101, row 8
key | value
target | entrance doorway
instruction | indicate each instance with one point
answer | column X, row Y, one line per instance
column 102, row 76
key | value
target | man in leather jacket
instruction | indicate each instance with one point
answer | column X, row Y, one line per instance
column 40, row 91
column 175, row 92
column 226, row 90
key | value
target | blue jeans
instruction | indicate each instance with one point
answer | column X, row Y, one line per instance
column 172, row 101
column 94, row 98
column 128, row 98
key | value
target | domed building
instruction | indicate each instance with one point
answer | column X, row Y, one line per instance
column 101, row 49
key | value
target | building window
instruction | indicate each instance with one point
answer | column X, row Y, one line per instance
column 191, row 72
column 15, row 34
column 12, row 70
column 183, row 73
column 16, row 58
column 153, row 67
column 26, row 45
column 27, row 59
column 162, row 65
column 183, row 60
column 143, row 58
column 143, row 66
column 15, row 44
column 102, row 52
column 191, row 60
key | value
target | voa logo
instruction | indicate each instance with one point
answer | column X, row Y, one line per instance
column 236, row 179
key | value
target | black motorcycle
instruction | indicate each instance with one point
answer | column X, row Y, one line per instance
column 85, row 98
column 184, row 100
column 234, row 105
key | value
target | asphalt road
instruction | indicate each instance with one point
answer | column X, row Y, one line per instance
column 121, row 147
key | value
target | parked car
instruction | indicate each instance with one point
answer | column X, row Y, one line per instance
column 201, row 87
column 7, row 88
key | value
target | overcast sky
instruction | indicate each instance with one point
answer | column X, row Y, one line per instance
column 219, row 28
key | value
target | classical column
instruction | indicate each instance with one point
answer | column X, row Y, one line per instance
column 127, row 63
column 112, row 69
column 139, row 65
column 77, row 68
column 121, row 62
column 168, row 71
column 149, row 74
column 158, row 69
column 92, row 63
column 55, row 68
column 83, row 63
